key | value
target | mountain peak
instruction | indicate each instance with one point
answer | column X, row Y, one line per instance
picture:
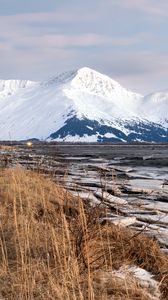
column 84, row 78
column 85, row 70
column 91, row 81
column 88, row 73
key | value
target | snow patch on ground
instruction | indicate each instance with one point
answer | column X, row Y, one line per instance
column 144, row 278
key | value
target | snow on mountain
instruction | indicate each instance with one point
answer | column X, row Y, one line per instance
column 99, row 97
column 9, row 87
column 81, row 105
column 155, row 107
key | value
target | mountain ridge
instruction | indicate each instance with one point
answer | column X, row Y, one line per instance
column 49, row 110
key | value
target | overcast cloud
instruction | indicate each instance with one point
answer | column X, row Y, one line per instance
column 126, row 39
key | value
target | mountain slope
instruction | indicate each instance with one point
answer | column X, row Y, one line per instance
column 81, row 105
column 157, row 105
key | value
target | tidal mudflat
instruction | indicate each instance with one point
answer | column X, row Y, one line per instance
column 131, row 180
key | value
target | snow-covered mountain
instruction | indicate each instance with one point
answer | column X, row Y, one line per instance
column 81, row 105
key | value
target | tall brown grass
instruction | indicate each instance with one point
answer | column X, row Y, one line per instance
column 52, row 246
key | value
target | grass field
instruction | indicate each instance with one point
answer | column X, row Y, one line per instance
column 53, row 246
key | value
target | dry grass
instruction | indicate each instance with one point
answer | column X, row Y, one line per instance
column 52, row 246
column 5, row 147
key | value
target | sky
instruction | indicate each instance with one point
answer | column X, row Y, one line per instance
column 124, row 39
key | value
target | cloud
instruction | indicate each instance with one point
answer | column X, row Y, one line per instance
column 144, row 71
column 42, row 17
column 153, row 7
column 35, row 30
column 81, row 40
